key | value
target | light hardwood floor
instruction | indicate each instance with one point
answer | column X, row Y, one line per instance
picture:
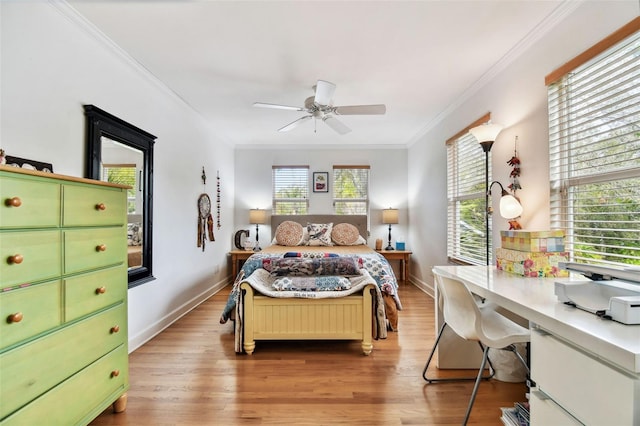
column 190, row 375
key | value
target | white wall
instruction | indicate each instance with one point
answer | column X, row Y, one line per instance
column 51, row 65
column 387, row 182
column 517, row 99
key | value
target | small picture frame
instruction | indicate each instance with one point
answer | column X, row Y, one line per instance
column 320, row 181
column 29, row 164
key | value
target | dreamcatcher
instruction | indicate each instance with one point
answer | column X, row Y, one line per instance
column 205, row 220
column 514, row 176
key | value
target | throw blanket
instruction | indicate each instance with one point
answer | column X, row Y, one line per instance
column 374, row 263
column 262, row 281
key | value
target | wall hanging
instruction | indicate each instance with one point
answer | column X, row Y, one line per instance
column 205, row 219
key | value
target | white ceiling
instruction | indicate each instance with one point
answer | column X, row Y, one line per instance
column 420, row 58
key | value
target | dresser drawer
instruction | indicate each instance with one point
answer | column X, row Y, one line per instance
column 28, row 203
column 84, row 206
column 86, row 249
column 25, row 312
column 35, row 367
column 86, row 293
column 35, row 256
column 581, row 384
column 80, row 398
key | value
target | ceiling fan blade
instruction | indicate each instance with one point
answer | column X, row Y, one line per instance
column 324, row 92
column 336, row 124
column 276, row 106
column 294, row 124
column 361, row 110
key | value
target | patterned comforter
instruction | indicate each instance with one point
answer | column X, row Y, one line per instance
column 316, row 278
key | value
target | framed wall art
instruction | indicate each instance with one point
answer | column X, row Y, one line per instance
column 320, row 181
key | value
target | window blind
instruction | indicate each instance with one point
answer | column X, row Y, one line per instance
column 290, row 190
column 466, row 239
column 350, row 189
column 594, row 156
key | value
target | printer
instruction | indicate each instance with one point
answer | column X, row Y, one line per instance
column 611, row 293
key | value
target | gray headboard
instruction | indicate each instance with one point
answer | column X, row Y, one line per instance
column 359, row 221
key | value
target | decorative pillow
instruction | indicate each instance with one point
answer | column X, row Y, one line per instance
column 134, row 234
column 325, row 283
column 297, row 267
column 319, row 234
column 289, row 233
column 346, row 234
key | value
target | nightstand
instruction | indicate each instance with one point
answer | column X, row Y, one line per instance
column 237, row 259
column 401, row 255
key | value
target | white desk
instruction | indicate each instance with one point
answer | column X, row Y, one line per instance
column 611, row 344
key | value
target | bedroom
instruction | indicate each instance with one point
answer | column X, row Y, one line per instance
column 46, row 79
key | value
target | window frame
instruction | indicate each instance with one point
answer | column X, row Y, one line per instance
column 465, row 170
column 302, row 182
column 362, row 198
column 589, row 184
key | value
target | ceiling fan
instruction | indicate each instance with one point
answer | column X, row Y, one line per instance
column 320, row 107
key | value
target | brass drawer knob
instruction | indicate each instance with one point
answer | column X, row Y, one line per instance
column 101, row 290
column 13, row 202
column 115, row 373
column 13, row 318
column 15, row 259
column 101, row 247
column 101, row 206
column 115, row 329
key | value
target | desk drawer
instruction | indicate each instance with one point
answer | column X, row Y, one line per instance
column 75, row 399
column 82, row 248
column 36, row 367
column 582, row 385
column 40, row 256
column 39, row 203
column 25, row 312
column 91, row 206
column 89, row 292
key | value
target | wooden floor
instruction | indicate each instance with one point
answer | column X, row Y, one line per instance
column 190, row 375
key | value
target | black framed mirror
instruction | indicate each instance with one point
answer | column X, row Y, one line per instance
column 122, row 153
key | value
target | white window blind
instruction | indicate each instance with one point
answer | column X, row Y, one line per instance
column 466, row 239
column 290, row 189
column 594, row 156
column 350, row 189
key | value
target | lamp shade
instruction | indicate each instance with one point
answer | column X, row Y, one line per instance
column 390, row 216
column 510, row 207
column 257, row 216
column 486, row 132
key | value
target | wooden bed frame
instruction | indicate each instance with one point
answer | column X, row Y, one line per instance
column 345, row 318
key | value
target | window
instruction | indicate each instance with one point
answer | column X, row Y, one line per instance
column 594, row 154
column 466, row 193
column 350, row 189
column 290, row 189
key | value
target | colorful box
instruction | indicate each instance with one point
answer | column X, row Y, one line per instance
column 533, row 241
column 531, row 264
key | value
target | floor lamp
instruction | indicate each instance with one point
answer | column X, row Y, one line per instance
column 486, row 134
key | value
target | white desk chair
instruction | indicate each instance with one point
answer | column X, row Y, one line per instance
column 484, row 325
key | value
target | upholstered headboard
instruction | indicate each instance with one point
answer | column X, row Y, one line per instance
column 359, row 221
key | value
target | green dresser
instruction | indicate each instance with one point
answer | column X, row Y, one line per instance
column 63, row 298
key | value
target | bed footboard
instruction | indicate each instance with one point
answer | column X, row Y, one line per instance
column 270, row 318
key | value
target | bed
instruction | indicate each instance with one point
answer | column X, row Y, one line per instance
column 337, row 289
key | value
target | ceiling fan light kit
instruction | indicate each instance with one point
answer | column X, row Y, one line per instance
column 320, row 107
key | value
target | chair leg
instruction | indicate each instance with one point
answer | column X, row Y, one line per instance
column 452, row 379
column 485, row 356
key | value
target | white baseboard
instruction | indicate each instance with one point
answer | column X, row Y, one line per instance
column 156, row 328
column 425, row 287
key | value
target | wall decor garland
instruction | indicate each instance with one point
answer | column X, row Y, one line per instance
column 218, row 199
column 514, row 176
